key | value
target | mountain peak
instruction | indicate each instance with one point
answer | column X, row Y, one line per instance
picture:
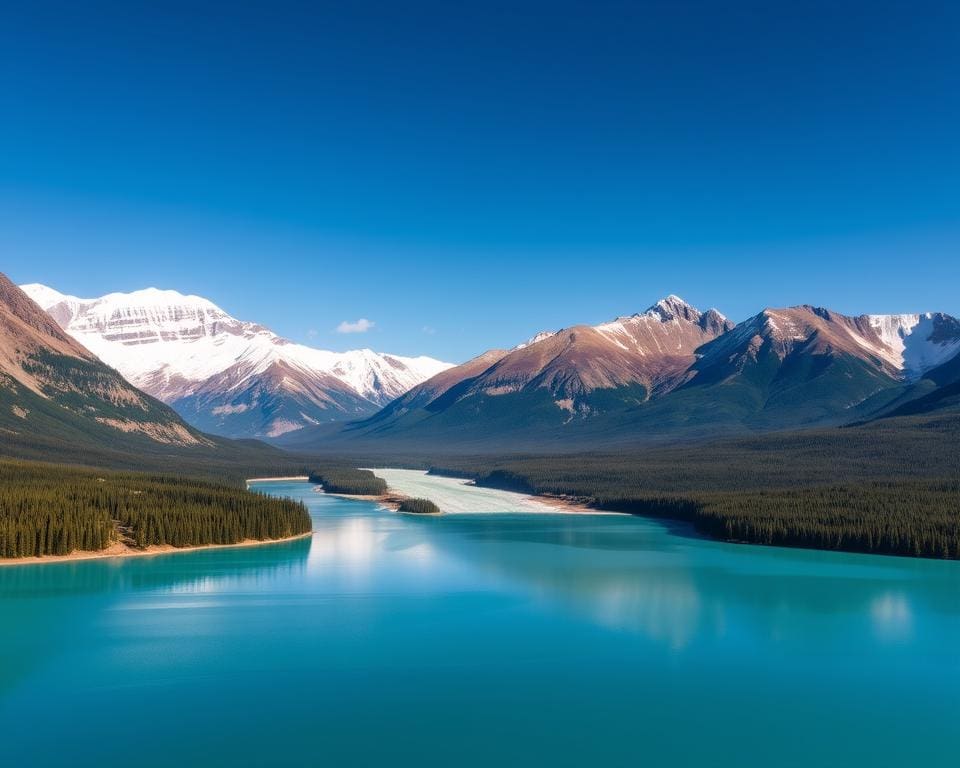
column 145, row 299
column 157, row 297
column 44, row 295
column 670, row 302
column 228, row 375
column 534, row 339
column 672, row 307
column 18, row 304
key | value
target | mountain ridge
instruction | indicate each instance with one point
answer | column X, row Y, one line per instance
column 228, row 376
column 671, row 372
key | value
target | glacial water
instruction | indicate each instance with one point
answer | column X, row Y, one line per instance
column 481, row 639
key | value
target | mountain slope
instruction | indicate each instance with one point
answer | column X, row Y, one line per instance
column 45, row 373
column 667, row 374
column 225, row 375
column 649, row 351
column 938, row 390
column 51, row 384
column 782, row 368
column 787, row 368
column 554, row 380
column 59, row 403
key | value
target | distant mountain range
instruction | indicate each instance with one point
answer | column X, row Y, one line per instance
column 670, row 373
column 227, row 376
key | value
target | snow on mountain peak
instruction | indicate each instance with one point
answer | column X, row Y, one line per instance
column 534, row 339
column 669, row 303
column 174, row 345
column 45, row 296
column 915, row 343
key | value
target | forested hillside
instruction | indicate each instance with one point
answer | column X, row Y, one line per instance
column 347, row 480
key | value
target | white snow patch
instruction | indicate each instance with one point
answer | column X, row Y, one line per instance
column 169, row 344
column 907, row 342
column 226, row 410
column 542, row 336
column 282, row 426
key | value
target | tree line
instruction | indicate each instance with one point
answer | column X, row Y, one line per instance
column 920, row 518
column 52, row 510
column 353, row 482
column 419, row 507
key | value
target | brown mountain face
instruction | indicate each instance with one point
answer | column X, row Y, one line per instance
column 51, row 385
column 791, row 367
column 282, row 396
column 568, row 374
column 444, row 386
column 806, row 330
column 671, row 372
column 653, row 349
column 26, row 330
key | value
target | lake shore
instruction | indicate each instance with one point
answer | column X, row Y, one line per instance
column 289, row 478
column 568, row 505
column 121, row 550
column 391, row 499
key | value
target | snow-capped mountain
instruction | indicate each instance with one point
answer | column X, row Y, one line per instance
column 639, row 356
column 914, row 344
column 672, row 372
column 903, row 347
column 225, row 375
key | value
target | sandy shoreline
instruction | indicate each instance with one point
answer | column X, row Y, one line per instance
column 569, row 506
column 563, row 505
column 121, row 550
column 391, row 500
column 275, row 479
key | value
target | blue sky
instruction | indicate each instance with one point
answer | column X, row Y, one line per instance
column 463, row 175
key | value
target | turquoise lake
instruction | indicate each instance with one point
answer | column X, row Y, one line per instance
column 479, row 639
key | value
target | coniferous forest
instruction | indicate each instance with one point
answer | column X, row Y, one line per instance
column 419, row 507
column 920, row 518
column 353, row 482
column 886, row 489
column 47, row 510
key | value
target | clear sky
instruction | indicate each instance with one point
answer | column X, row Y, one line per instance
column 462, row 175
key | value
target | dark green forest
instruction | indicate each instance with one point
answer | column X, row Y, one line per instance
column 354, row 482
column 52, row 510
column 419, row 507
column 892, row 487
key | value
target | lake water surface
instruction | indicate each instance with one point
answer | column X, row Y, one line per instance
column 463, row 640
